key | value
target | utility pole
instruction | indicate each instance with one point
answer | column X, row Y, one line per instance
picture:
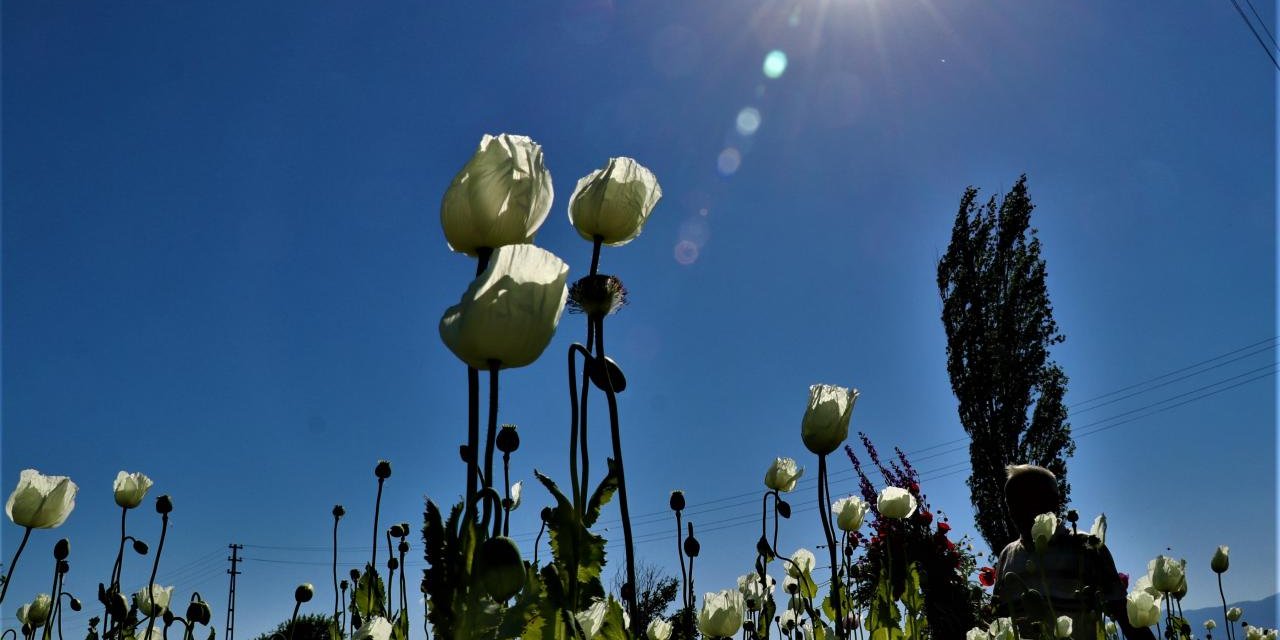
column 231, row 597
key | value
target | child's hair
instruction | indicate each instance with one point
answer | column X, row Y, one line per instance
column 1031, row 482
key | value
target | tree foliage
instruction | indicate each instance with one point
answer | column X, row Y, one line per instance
column 999, row 326
column 309, row 626
column 656, row 591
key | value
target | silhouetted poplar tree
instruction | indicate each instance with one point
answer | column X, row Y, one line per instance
column 999, row 325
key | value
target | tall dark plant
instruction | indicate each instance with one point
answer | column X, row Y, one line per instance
column 999, row 326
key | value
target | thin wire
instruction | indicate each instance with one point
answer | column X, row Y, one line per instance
column 1255, row 34
column 1262, row 23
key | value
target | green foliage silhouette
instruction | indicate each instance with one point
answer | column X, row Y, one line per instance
column 999, row 326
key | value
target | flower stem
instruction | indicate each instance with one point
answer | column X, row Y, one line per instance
column 373, row 562
column 615, row 431
column 582, row 420
column 573, row 423
column 490, row 437
column 595, row 254
column 155, row 566
column 293, row 620
column 9, row 575
column 684, row 576
column 1225, row 622
column 824, row 513
column 473, row 412
column 335, row 571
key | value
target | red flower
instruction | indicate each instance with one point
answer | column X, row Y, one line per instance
column 924, row 517
column 986, row 576
column 943, row 527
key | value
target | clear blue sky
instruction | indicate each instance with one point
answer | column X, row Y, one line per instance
column 222, row 261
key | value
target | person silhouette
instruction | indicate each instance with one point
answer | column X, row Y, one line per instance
column 1073, row 575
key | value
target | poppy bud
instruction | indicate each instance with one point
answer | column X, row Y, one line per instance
column 167, row 616
column 395, row 531
column 500, row 568
column 75, row 604
column 1220, row 560
column 343, row 585
column 403, row 547
column 198, row 612
column 691, row 546
column 304, row 592
column 393, row 564
column 62, row 549
column 784, row 509
column 140, row 547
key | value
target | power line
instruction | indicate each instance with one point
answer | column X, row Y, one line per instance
column 1262, row 23
column 1254, row 31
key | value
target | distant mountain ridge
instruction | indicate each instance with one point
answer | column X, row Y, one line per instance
column 1258, row 613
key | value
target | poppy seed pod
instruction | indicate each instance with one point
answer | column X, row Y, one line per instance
column 164, row 504
column 508, row 440
column 383, row 470
column 355, row 575
column 62, row 549
column 304, row 592
column 392, row 563
column 403, row 547
column 395, row 531
column 338, row 511
column 343, row 585
column 677, row 501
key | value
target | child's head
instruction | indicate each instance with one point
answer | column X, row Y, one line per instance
column 1029, row 491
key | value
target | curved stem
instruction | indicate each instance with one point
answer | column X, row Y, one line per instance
column 573, row 425
column 684, row 576
column 491, row 436
column 293, row 620
column 114, row 585
column 391, row 578
column 582, row 419
column 615, row 431
column 9, row 575
column 373, row 562
column 824, row 514
column 506, row 493
column 1225, row 622
column 155, row 566
column 335, row 570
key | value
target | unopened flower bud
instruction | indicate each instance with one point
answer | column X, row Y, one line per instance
column 464, row 452
column 140, row 547
column 167, row 616
column 1220, row 561
column 383, row 470
column 403, row 547
column 164, row 504
column 500, row 568
column 304, row 592
column 355, row 576
column 1073, row 516
column 343, row 585
column 677, row 501
column 198, row 612
column 62, row 549
column 393, row 564
column 508, row 440
column 784, row 509
column 546, row 514
column 395, row 531
column 75, row 604
column 691, row 546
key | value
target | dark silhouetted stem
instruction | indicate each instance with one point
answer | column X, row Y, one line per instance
column 293, row 620
column 473, row 411
column 9, row 575
column 595, row 254
column 1225, row 622
column 155, row 566
column 616, row 433
column 373, row 562
column 335, row 571
column 824, row 513
column 491, row 435
column 684, row 576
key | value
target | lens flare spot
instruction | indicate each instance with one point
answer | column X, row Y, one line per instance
column 686, row 252
column 775, row 64
column 729, row 161
column 748, row 121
